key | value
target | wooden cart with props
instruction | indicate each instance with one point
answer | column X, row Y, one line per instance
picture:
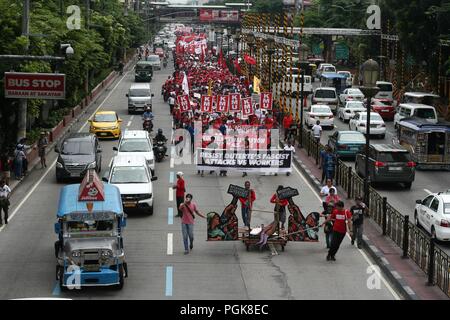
column 224, row 227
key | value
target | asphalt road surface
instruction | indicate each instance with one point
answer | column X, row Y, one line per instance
column 158, row 269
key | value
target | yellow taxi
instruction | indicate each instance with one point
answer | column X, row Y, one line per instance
column 106, row 124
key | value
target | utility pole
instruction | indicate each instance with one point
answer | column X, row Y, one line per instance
column 22, row 116
column 87, row 22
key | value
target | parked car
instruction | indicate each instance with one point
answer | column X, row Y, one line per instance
column 77, row 153
column 415, row 110
column 433, row 214
column 351, row 94
column 377, row 125
column 350, row 108
column 387, row 163
column 322, row 113
column 137, row 143
column 347, row 143
column 131, row 175
column 384, row 108
column 105, row 124
column 325, row 95
column 349, row 77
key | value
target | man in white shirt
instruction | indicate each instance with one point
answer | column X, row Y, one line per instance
column 317, row 131
column 289, row 147
column 5, row 192
column 171, row 102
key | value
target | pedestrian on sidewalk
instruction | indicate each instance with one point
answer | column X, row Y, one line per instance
column 317, row 131
column 19, row 157
column 247, row 205
column 181, row 189
column 5, row 193
column 289, row 147
column 341, row 221
column 188, row 208
column 5, row 164
column 328, row 163
column 325, row 192
column 42, row 145
column 358, row 211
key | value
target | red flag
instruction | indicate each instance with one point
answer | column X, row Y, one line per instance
column 184, row 103
column 265, row 101
column 247, row 107
column 207, row 103
column 249, row 59
column 235, row 102
column 222, row 104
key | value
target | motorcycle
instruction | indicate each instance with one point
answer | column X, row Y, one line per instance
column 160, row 151
column 147, row 125
column 165, row 64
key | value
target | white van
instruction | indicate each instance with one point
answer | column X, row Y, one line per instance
column 385, row 92
column 131, row 175
column 139, row 97
column 326, row 95
column 297, row 85
column 422, row 111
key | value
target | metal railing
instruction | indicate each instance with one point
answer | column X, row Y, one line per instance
column 414, row 242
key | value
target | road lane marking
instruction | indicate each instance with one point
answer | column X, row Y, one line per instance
column 170, row 244
column 172, row 163
column 170, row 194
column 427, row 191
column 110, row 162
column 132, row 117
column 388, row 286
column 103, row 102
column 129, row 123
column 169, row 281
column 170, row 215
column 171, row 177
column 52, row 165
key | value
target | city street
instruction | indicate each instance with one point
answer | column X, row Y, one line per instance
column 158, row 269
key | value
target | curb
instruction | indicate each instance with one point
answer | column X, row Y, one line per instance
column 69, row 127
column 379, row 258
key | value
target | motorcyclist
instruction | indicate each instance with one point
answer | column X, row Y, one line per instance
column 160, row 137
column 147, row 115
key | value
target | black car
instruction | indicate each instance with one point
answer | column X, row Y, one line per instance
column 77, row 153
column 387, row 163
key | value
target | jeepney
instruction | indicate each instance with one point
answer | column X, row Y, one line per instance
column 143, row 71
column 429, row 143
column 335, row 80
column 90, row 223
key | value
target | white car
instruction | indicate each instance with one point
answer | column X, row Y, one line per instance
column 433, row 214
column 351, row 94
column 348, row 111
column 349, row 76
column 137, row 143
column 171, row 45
column 377, row 125
column 322, row 113
column 131, row 175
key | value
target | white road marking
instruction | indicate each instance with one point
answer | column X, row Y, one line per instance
column 427, row 191
column 129, row 123
column 172, row 162
column 388, row 286
column 11, row 216
column 170, row 194
column 110, row 162
column 132, row 117
column 170, row 244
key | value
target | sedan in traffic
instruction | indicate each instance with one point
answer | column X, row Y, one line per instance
column 349, row 110
column 351, row 94
column 322, row 113
column 347, row 143
column 384, row 108
column 377, row 125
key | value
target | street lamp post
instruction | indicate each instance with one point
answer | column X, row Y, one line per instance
column 370, row 71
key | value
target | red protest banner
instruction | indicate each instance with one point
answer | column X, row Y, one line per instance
column 265, row 101
column 235, row 102
column 222, row 104
column 184, row 103
column 207, row 104
column 247, row 107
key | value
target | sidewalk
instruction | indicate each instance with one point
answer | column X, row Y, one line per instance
column 407, row 277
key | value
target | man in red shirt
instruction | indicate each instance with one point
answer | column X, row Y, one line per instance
column 342, row 219
column 287, row 122
column 280, row 207
column 181, row 189
column 247, row 205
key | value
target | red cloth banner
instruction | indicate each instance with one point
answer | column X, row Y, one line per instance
column 207, row 104
column 265, row 101
column 222, row 104
column 247, row 107
column 249, row 59
column 184, row 103
column 235, row 102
